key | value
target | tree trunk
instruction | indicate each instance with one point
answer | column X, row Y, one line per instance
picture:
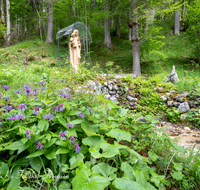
column 135, row 42
column 8, row 20
column 176, row 20
column 118, row 34
column 2, row 13
column 129, row 28
column 107, row 37
column 49, row 38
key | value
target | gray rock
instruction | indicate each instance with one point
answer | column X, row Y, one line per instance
column 91, row 84
column 110, row 87
column 105, row 84
column 113, row 98
column 183, row 116
column 183, row 107
column 110, row 82
column 170, row 103
column 192, row 104
column 184, row 94
column 104, row 90
column 112, row 92
column 176, row 104
column 164, row 98
column 107, row 96
column 180, row 99
column 142, row 121
column 98, row 88
column 173, row 77
column 131, row 99
column 126, row 89
column 115, row 87
column 133, row 103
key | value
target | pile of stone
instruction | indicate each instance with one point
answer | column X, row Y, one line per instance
column 112, row 89
column 183, row 102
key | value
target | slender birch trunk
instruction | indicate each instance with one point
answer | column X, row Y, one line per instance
column 8, row 20
column 176, row 20
column 2, row 13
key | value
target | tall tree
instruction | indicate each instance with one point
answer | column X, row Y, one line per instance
column 8, row 20
column 107, row 36
column 176, row 19
column 135, row 41
column 49, row 37
column 2, row 13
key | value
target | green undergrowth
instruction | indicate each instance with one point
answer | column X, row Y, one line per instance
column 53, row 139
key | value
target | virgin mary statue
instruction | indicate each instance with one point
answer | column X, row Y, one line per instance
column 75, row 50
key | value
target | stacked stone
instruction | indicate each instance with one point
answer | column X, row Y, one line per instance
column 183, row 102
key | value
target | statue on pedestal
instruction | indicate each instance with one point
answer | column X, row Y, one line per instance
column 75, row 49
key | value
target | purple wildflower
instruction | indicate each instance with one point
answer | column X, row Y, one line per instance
column 17, row 91
column 36, row 110
column 72, row 139
column 58, row 108
column 62, row 135
column 34, row 92
column 81, row 115
column 42, row 88
column 39, row 145
column 22, row 107
column 0, row 122
column 77, row 148
column 70, row 125
column 65, row 95
column 28, row 134
column 8, row 108
column 27, row 88
column 42, row 83
column 6, row 99
column 21, row 117
column 6, row 87
column 89, row 109
column 13, row 118
column 48, row 117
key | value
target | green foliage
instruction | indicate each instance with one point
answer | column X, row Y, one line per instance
column 173, row 115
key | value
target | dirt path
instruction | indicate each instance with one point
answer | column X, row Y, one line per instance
column 184, row 135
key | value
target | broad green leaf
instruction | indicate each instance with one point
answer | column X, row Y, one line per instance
column 51, row 142
column 154, row 157
column 36, row 164
column 77, row 121
column 85, row 180
column 119, row 135
column 63, row 143
column 15, row 180
column 35, row 154
column 126, row 184
column 73, row 112
column 76, row 160
column 24, row 140
column 177, row 175
column 64, row 168
column 26, row 188
column 23, row 147
column 87, row 129
column 108, row 151
column 122, row 112
column 62, row 121
column 64, row 185
column 157, row 179
column 43, row 125
column 104, row 169
column 14, row 145
column 51, row 155
column 128, row 171
column 93, row 141
column 178, row 166
column 72, row 132
column 3, row 169
column 62, row 150
column 177, row 147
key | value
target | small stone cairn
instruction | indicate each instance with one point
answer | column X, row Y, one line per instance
column 173, row 77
